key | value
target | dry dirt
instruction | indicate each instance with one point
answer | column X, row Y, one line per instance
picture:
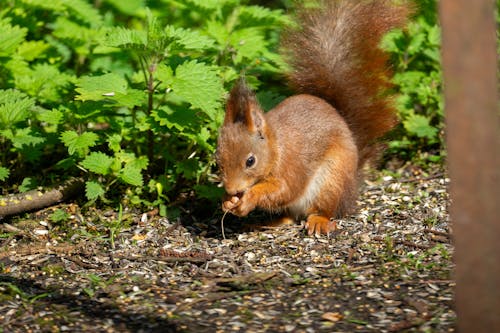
column 387, row 269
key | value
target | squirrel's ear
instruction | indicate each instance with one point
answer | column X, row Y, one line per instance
column 242, row 106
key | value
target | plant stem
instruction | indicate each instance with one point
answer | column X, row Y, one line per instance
column 151, row 89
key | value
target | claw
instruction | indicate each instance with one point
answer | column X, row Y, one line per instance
column 319, row 225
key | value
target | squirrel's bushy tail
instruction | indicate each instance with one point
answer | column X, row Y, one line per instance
column 335, row 55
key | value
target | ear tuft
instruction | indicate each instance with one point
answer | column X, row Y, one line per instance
column 242, row 107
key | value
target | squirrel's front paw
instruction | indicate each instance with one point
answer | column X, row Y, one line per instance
column 244, row 205
column 230, row 203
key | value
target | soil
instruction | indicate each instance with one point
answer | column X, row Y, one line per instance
column 387, row 268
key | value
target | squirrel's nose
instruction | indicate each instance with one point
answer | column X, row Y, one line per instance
column 233, row 190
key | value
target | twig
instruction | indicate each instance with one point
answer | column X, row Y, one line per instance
column 222, row 224
column 33, row 200
column 425, row 282
column 417, row 179
column 172, row 228
column 81, row 263
column 10, row 228
column 406, row 324
column 438, row 233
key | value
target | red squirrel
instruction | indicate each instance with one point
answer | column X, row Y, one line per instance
column 303, row 157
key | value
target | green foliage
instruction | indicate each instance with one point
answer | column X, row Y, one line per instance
column 11, row 37
column 131, row 97
column 59, row 215
column 418, row 80
column 15, row 107
column 4, row 173
column 98, row 163
column 79, row 144
column 93, row 190
column 126, row 96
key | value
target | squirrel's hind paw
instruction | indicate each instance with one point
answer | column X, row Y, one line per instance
column 319, row 225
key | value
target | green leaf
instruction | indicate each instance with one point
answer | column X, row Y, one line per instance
column 98, row 162
column 250, row 43
column 44, row 81
column 433, row 54
column 131, row 175
column 14, row 107
column 392, row 41
column 52, row 117
column 268, row 99
column 202, row 138
column 31, row 50
column 123, row 37
column 187, row 39
column 257, row 15
column 59, row 215
column 133, row 97
column 419, row 125
column 189, row 168
column 434, row 36
column 101, row 87
column 108, row 87
column 140, row 163
column 54, row 5
column 79, row 143
column 416, row 42
column 93, row 190
column 75, row 32
column 210, row 192
column 4, row 173
column 10, row 37
column 129, row 7
column 177, row 118
column 26, row 137
column 218, row 31
column 114, row 142
column 125, row 157
column 409, row 80
column 85, row 11
column 27, row 184
column 211, row 4
column 200, row 86
column 165, row 74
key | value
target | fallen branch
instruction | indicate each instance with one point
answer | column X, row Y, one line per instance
column 33, row 200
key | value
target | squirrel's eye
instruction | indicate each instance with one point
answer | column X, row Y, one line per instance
column 250, row 161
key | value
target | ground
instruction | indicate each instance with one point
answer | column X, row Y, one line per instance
column 386, row 269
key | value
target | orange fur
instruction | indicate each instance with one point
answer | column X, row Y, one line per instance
column 303, row 157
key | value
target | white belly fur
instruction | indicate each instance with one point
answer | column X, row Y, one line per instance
column 300, row 206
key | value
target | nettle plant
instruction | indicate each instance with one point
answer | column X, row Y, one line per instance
column 418, row 80
column 129, row 98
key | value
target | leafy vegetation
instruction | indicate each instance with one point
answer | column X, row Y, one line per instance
column 418, row 79
column 127, row 96
column 130, row 96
